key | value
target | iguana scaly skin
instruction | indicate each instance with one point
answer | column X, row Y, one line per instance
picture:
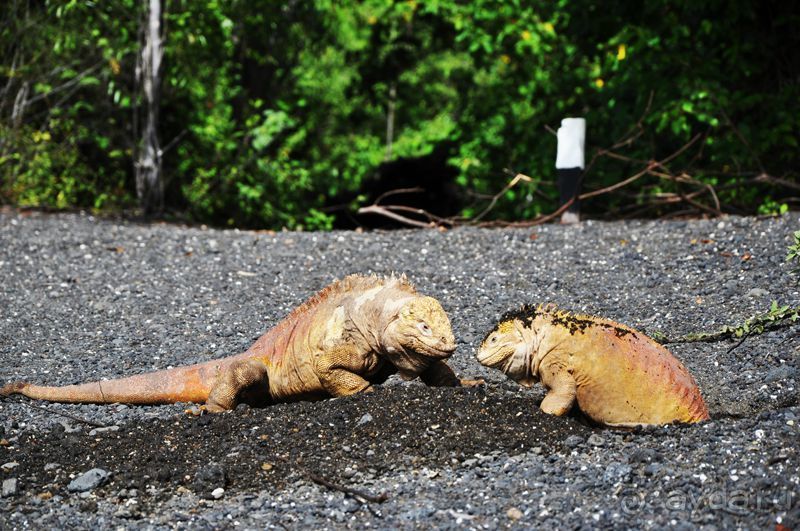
column 617, row 375
column 352, row 334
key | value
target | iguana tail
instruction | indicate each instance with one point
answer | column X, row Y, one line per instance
column 192, row 383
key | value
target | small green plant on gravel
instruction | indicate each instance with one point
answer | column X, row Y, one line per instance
column 757, row 324
column 794, row 252
column 776, row 316
column 764, row 321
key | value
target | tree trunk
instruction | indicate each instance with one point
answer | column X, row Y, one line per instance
column 149, row 178
column 390, row 122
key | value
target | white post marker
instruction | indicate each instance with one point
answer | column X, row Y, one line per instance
column 570, row 161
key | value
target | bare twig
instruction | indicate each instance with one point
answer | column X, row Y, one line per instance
column 362, row 496
column 65, row 415
column 415, row 190
column 383, row 211
column 739, row 135
column 511, row 184
column 779, row 181
column 359, row 494
column 421, row 212
column 655, row 168
column 391, row 211
column 75, row 80
column 174, row 141
column 738, row 344
column 618, row 185
column 649, row 169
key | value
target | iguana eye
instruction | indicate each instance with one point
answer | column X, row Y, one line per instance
column 425, row 329
column 493, row 339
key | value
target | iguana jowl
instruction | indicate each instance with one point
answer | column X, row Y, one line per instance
column 352, row 334
column 618, row 376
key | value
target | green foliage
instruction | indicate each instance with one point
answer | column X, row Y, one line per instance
column 794, row 252
column 68, row 146
column 776, row 316
column 274, row 111
column 770, row 207
column 764, row 321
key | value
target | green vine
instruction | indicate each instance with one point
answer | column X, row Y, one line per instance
column 794, row 252
column 776, row 317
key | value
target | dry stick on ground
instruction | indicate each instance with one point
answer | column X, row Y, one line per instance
column 390, row 211
column 382, row 211
column 62, row 414
column 758, row 324
column 316, row 478
column 364, row 497
column 432, row 218
column 653, row 168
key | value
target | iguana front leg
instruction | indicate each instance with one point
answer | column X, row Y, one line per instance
column 561, row 396
column 233, row 381
column 337, row 369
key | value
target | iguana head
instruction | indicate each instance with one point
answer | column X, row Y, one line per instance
column 419, row 335
column 506, row 347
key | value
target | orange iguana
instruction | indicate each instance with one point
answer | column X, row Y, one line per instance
column 619, row 376
column 353, row 333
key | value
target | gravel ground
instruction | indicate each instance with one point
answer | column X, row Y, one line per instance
column 83, row 298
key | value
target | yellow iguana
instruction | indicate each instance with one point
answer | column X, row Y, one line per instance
column 619, row 376
column 352, row 334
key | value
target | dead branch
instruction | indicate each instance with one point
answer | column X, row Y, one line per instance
column 777, row 181
column 649, row 169
column 63, row 414
column 72, row 82
column 360, row 495
column 654, row 168
column 517, row 178
column 739, row 135
column 433, row 218
column 398, row 191
column 383, row 211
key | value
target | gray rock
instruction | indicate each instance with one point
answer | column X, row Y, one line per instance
column 9, row 487
column 210, row 477
column 782, row 372
column 616, row 471
column 88, row 480
column 104, row 429
column 595, row 440
column 364, row 419
column 757, row 292
column 573, row 441
column 652, row 469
